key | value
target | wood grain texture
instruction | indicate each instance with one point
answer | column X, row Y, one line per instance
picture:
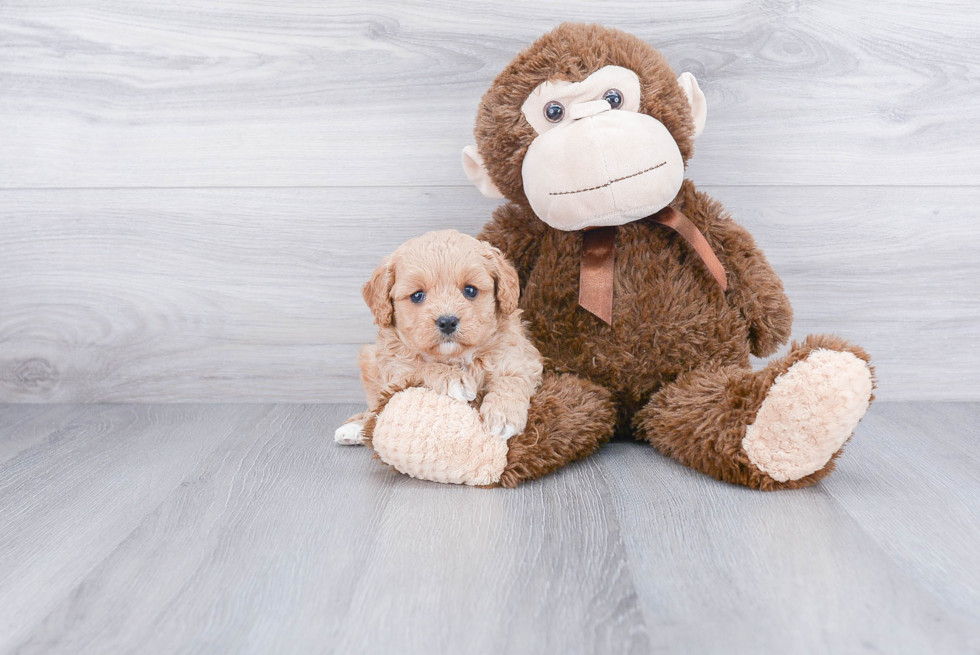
column 931, row 459
column 481, row 586
column 28, row 429
column 70, row 500
column 278, row 540
column 783, row 571
column 240, row 295
column 191, row 196
column 244, row 529
column 161, row 94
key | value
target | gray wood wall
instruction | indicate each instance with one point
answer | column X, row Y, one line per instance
column 191, row 193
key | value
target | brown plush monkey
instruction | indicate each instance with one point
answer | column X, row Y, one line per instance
column 644, row 296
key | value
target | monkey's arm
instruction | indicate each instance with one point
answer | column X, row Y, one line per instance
column 753, row 286
column 517, row 233
column 757, row 289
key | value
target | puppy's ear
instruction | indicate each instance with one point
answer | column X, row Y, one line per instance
column 508, row 286
column 377, row 292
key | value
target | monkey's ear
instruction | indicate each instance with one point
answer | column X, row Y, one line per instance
column 699, row 106
column 477, row 173
column 377, row 292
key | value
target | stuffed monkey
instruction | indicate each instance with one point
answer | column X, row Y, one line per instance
column 643, row 295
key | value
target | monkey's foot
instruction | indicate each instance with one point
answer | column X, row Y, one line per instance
column 431, row 436
column 808, row 414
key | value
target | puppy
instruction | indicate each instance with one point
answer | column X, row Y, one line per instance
column 446, row 309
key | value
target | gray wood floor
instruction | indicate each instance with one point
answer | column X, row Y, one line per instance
column 244, row 529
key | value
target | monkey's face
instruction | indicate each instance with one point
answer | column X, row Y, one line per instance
column 596, row 160
column 589, row 127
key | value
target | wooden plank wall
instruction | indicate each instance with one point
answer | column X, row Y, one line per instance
column 192, row 193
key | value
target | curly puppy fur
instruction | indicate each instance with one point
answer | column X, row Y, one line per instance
column 488, row 359
column 674, row 363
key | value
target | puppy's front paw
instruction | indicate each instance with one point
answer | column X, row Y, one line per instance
column 505, row 431
column 463, row 389
column 349, row 434
column 458, row 386
column 500, row 419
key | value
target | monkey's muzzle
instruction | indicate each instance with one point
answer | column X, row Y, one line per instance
column 601, row 167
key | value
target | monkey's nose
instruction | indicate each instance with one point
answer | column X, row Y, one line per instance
column 586, row 109
column 447, row 324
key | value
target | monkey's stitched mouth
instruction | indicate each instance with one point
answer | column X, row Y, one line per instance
column 610, row 182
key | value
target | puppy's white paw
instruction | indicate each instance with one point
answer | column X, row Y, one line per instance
column 461, row 392
column 499, row 423
column 349, row 434
column 504, row 430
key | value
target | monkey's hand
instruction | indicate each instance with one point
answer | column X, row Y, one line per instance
column 503, row 415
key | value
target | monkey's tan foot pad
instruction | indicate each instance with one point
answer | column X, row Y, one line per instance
column 430, row 436
column 808, row 414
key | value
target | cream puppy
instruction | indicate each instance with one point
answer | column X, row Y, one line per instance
column 446, row 309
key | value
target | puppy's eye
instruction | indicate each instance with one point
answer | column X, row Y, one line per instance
column 470, row 291
column 614, row 98
column 554, row 111
column 418, row 297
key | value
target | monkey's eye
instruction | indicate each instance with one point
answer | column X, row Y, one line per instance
column 614, row 98
column 418, row 297
column 470, row 291
column 554, row 111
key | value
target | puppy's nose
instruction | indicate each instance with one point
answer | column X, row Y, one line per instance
column 447, row 324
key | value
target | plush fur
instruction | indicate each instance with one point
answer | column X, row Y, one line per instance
column 669, row 315
column 423, row 437
column 455, row 448
column 675, row 361
column 570, row 418
column 571, row 52
column 673, row 367
column 701, row 419
column 808, row 414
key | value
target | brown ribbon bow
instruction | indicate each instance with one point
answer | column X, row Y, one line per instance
column 599, row 258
